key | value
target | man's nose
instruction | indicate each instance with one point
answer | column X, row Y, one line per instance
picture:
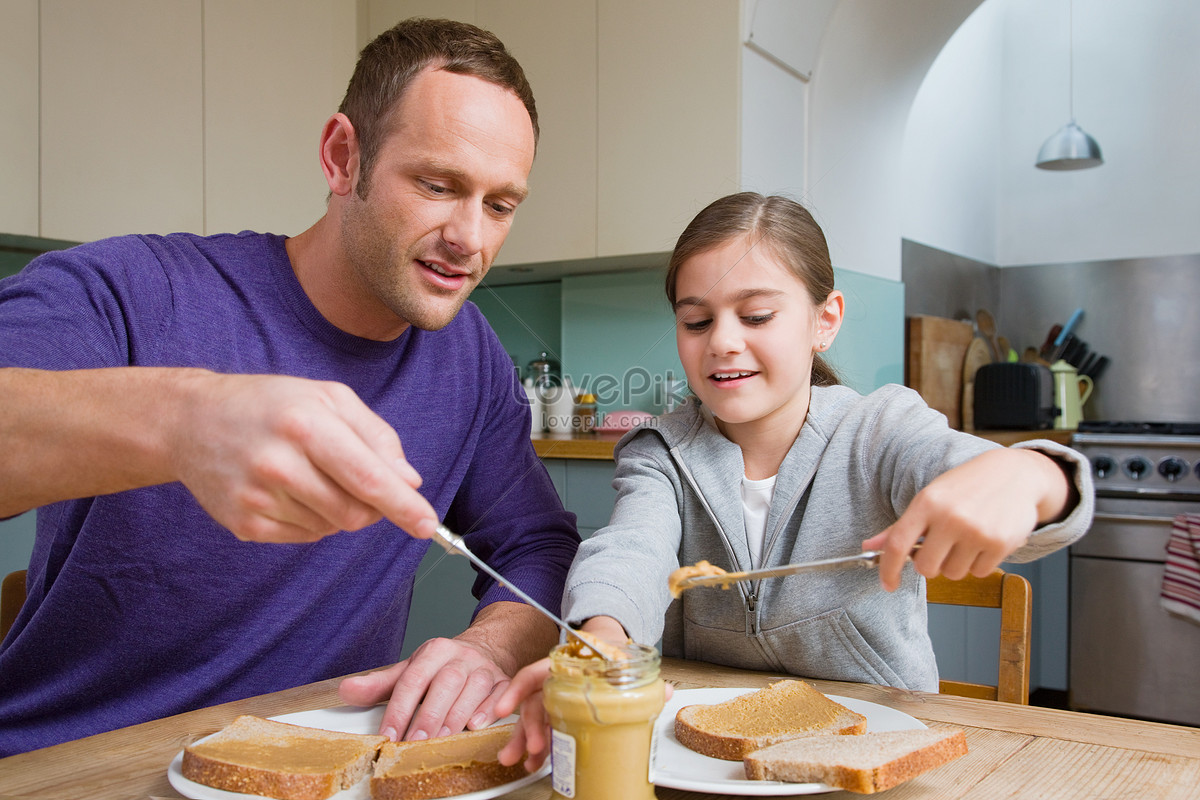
column 463, row 231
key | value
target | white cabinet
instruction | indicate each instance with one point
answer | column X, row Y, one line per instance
column 121, row 118
column 558, row 220
column 638, row 104
column 190, row 115
column 669, row 117
column 274, row 71
column 18, row 123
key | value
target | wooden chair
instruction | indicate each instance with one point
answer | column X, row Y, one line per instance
column 1012, row 595
column 12, row 597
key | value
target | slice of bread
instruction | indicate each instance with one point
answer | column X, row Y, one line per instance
column 275, row 759
column 784, row 710
column 449, row 765
column 864, row 764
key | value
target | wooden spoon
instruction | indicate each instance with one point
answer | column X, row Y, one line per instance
column 976, row 357
column 1006, row 351
column 987, row 326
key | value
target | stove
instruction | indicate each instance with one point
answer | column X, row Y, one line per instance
column 1128, row 656
column 1142, row 458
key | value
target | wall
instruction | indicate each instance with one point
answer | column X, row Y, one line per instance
column 873, row 59
column 1000, row 88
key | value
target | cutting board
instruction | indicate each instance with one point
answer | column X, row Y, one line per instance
column 979, row 352
column 936, row 349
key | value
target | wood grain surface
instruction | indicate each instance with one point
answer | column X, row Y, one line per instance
column 1014, row 751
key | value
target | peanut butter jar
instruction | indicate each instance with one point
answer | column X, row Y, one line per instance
column 602, row 714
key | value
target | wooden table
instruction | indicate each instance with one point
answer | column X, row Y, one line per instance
column 1015, row 751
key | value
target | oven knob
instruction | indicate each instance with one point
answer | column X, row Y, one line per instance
column 1137, row 467
column 1173, row 468
column 1103, row 466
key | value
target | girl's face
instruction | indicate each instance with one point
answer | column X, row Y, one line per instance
column 747, row 330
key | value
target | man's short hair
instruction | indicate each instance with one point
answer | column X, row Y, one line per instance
column 393, row 59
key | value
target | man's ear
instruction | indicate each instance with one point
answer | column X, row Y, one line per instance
column 339, row 154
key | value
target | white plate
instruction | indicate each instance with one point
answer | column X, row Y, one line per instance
column 677, row 767
column 345, row 719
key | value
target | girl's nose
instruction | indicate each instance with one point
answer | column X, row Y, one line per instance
column 725, row 337
column 463, row 231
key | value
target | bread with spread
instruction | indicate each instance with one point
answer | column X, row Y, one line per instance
column 865, row 764
column 442, row 767
column 784, row 710
column 276, row 759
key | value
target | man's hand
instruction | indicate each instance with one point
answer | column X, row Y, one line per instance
column 455, row 682
column 272, row 458
column 971, row 517
column 282, row 459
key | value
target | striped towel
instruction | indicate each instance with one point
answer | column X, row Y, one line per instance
column 1181, row 578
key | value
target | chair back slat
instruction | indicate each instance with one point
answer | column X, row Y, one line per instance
column 1012, row 595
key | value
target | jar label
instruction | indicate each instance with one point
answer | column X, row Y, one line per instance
column 562, row 763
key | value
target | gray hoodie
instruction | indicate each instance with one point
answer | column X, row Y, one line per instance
column 851, row 472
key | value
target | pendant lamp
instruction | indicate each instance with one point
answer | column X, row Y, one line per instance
column 1070, row 147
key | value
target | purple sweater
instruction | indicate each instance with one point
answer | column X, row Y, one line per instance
column 140, row 605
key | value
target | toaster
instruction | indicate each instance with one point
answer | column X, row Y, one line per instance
column 1014, row 397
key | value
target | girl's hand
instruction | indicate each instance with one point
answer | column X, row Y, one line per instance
column 532, row 733
column 973, row 516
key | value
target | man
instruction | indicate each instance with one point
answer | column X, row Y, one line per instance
column 196, row 416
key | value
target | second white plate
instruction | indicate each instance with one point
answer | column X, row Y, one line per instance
column 677, row 767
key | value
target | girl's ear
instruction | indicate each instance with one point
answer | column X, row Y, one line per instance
column 829, row 320
column 339, row 154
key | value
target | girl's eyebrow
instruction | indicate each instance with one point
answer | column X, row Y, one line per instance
column 743, row 294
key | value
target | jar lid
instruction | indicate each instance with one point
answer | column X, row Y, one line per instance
column 587, row 397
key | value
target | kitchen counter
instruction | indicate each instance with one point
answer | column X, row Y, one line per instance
column 1014, row 751
column 589, row 446
column 599, row 446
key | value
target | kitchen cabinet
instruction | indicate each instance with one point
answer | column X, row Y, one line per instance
column 196, row 115
column 274, row 71
column 668, row 117
column 18, row 124
column 121, row 118
column 638, row 112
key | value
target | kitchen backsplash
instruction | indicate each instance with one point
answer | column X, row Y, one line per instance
column 614, row 334
column 17, row 251
column 1139, row 312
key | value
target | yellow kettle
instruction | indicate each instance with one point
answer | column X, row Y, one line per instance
column 1071, row 391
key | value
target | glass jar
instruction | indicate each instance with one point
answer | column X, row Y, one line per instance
column 602, row 714
column 585, row 413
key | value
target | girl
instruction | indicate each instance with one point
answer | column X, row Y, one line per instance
column 772, row 462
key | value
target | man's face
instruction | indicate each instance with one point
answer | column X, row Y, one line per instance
column 439, row 203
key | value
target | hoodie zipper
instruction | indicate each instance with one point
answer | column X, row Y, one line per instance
column 750, row 597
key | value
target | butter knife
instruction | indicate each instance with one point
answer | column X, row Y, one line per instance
column 867, row 558
column 452, row 543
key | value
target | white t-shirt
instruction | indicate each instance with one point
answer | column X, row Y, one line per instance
column 756, row 502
